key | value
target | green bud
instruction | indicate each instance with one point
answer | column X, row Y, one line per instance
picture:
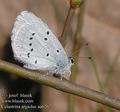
column 75, row 3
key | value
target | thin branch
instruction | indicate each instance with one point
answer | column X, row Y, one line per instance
column 111, row 68
column 77, row 44
column 66, row 20
column 62, row 85
column 97, row 75
column 66, row 24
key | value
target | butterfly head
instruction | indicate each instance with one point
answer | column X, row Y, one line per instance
column 67, row 68
column 64, row 68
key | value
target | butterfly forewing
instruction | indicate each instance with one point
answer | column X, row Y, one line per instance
column 34, row 44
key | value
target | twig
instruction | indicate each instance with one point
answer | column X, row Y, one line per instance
column 77, row 44
column 67, row 20
column 62, row 85
column 95, row 70
column 111, row 68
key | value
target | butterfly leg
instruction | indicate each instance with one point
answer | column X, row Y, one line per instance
column 46, row 74
column 58, row 76
column 61, row 78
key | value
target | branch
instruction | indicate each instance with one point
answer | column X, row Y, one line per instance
column 65, row 27
column 62, row 85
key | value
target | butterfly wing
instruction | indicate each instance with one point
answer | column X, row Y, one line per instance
column 35, row 45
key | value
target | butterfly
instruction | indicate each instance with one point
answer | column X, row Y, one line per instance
column 35, row 45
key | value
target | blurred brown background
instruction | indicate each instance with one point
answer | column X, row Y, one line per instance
column 100, row 29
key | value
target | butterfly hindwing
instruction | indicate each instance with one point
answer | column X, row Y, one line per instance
column 34, row 44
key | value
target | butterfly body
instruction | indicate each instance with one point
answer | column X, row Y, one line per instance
column 36, row 46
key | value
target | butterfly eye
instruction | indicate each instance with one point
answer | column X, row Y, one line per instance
column 72, row 61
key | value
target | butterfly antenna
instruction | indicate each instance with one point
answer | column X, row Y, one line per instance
column 87, row 57
column 85, row 44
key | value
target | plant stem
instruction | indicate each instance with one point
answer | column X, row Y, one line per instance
column 77, row 44
column 66, row 24
column 111, row 68
column 62, row 85
column 100, row 86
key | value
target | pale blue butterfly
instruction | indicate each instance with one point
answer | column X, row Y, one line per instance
column 37, row 47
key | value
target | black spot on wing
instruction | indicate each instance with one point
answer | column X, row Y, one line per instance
column 28, row 55
column 48, row 32
column 45, row 39
column 31, row 38
column 31, row 49
column 35, row 61
column 33, row 34
column 58, row 51
column 30, row 44
column 47, row 54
